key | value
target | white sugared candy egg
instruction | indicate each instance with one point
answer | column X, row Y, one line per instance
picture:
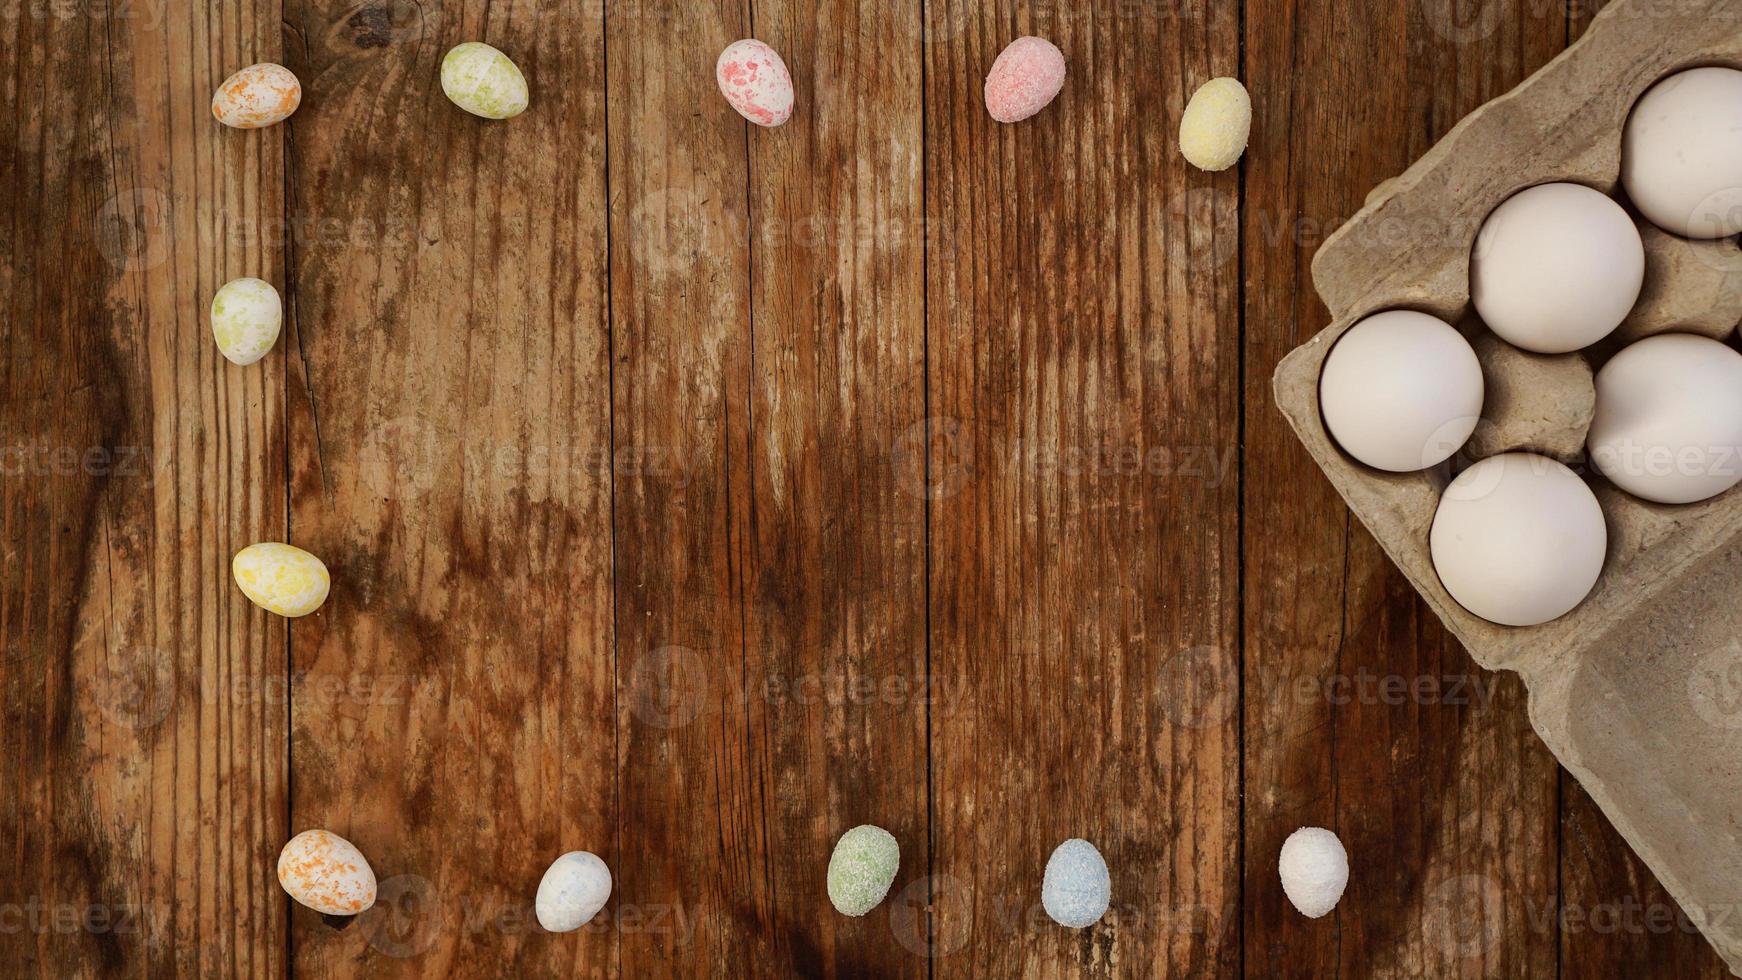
column 574, row 888
column 862, row 868
column 1401, row 391
column 246, row 318
column 1681, row 153
column 1556, row 267
column 257, row 96
column 281, row 578
column 1518, row 539
column 484, row 81
column 1076, row 887
column 326, row 873
column 755, row 82
column 1216, row 124
column 1669, row 419
column 1314, row 870
column 1026, row 77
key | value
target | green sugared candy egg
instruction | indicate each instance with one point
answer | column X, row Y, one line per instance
column 246, row 318
column 483, row 81
column 862, row 869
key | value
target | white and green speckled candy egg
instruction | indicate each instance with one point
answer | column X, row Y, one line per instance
column 484, row 81
column 862, row 869
column 246, row 318
column 281, row 578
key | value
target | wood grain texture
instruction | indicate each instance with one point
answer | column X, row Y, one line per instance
column 1082, row 350
column 454, row 707
column 695, row 492
column 143, row 773
column 692, row 767
column 836, row 544
column 1362, row 715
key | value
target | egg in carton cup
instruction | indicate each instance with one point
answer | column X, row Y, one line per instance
column 1632, row 688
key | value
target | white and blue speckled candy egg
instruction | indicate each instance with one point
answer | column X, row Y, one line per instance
column 862, row 868
column 573, row 890
column 484, row 81
column 1077, row 887
column 247, row 316
column 280, row 578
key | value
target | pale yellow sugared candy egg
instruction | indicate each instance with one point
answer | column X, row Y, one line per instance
column 484, row 81
column 246, row 318
column 281, row 579
column 258, row 95
column 327, row 873
column 1216, row 125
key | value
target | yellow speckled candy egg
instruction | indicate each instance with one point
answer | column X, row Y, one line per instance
column 246, row 318
column 484, row 81
column 1216, row 124
column 281, row 579
column 327, row 873
column 258, row 95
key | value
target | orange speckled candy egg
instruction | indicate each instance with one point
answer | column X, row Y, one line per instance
column 257, row 96
column 326, row 873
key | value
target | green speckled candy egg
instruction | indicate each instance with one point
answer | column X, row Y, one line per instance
column 483, row 81
column 862, row 869
column 246, row 318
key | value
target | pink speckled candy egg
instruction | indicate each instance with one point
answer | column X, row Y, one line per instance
column 1025, row 79
column 755, row 81
column 257, row 96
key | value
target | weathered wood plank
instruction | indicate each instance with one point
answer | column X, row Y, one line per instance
column 836, row 540
column 144, row 763
column 1361, row 714
column 692, row 769
column 1083, row 350
column 454, row 707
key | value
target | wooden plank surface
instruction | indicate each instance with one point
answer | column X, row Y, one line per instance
column 693, row 794
column 1362, row 715
column 1084, row 516
column 454, row 706
column 695, row 492
column 836, row 543
column 143, row 776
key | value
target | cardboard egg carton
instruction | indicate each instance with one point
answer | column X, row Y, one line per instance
column 1638, row 691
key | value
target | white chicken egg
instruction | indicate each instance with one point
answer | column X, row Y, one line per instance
column 327, row 873
column 574, row 888
column 281, row 578
column 246, row 318
column 1518, row 539
column 1669, row 419
column 1681, row 153
column 1401, row 391
column 1556, row 267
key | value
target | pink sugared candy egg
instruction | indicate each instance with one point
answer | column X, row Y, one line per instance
column 257, row 96
column 755, row 81
column 1025, row 79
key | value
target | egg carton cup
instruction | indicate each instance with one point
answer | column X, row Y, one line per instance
column 1632, row 690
